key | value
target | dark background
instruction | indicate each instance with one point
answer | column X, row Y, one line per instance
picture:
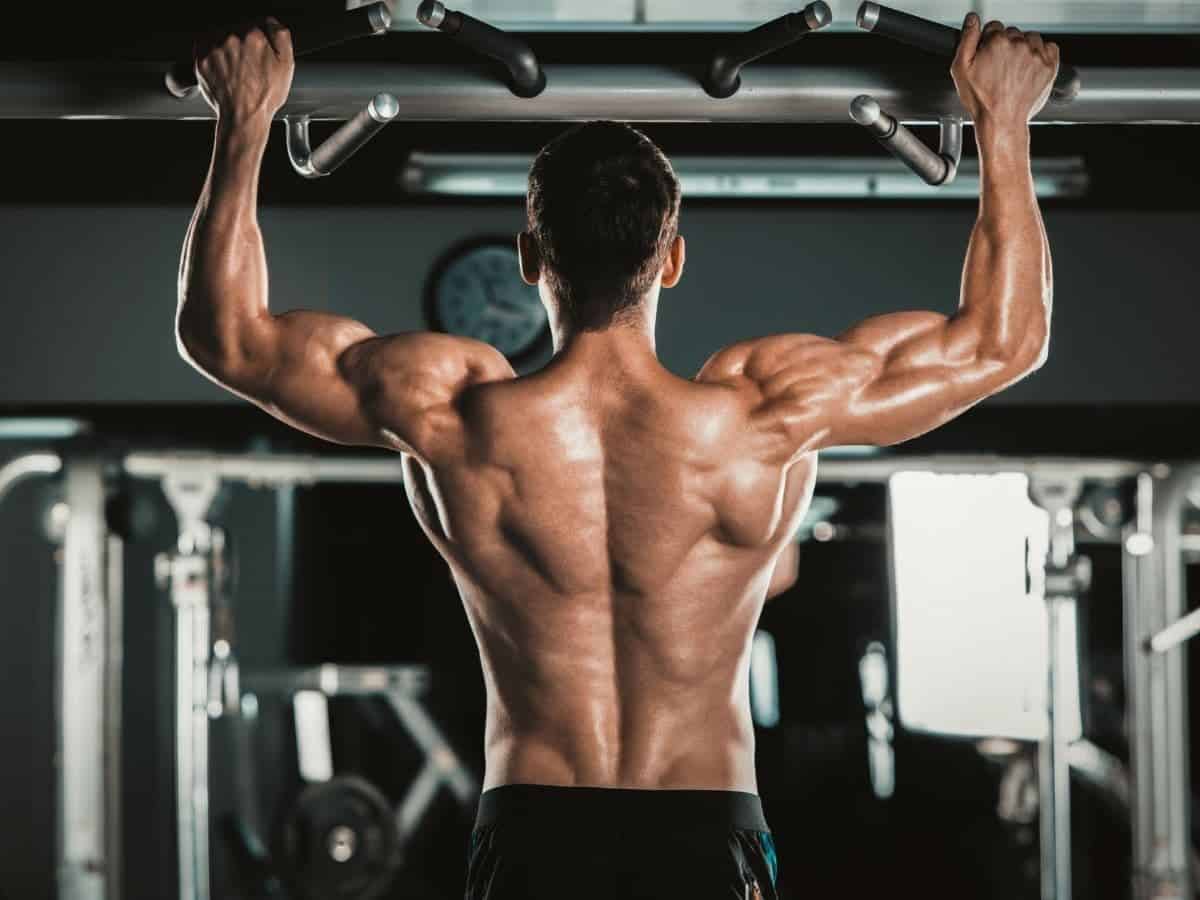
column 92, row 216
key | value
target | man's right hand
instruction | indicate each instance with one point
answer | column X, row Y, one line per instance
column 1003, row 75
column 248, row 76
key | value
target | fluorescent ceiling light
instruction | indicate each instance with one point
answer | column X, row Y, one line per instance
column 741, row 178
column 40, row 429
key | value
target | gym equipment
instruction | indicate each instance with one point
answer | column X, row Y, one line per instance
column 628, row 92
column 943, row 40
column 310, row 34
column 208, row 683
column 934, row 168
column 1067, row 577
column 1153, row 595
column 1156, row 685
column 339, row 841
column 525, row 75
column 343, row 143
column 88, row 688
column 724, row 72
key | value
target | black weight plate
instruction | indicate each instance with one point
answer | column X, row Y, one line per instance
column 339, row 841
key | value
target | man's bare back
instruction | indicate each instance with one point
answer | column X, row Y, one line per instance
column 612, row 528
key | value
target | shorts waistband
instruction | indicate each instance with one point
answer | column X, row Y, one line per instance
column 621, row 808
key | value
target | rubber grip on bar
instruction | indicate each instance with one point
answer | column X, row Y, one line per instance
column 525, row 75
column 309, row 34
column 724, row 73
column 933, row 37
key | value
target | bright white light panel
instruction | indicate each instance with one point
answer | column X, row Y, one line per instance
column 968, row 558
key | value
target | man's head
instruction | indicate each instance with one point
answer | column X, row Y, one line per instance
column 603, row 210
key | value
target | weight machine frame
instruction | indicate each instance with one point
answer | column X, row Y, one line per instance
column 190, row 482
column 1155, row 631
column 88, row 650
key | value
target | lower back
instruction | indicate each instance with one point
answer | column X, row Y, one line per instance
column 616, row 692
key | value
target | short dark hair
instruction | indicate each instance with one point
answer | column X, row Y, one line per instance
column 603, row 209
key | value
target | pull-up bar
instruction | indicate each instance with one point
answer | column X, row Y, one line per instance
column 632, row 93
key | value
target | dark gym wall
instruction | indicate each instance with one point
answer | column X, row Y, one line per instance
column 27, row 597
column 90, row 291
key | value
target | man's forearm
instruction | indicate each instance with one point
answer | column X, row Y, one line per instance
column 223, row 273
column 1006, row 281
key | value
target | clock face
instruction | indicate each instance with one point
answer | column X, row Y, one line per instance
column 478, row 292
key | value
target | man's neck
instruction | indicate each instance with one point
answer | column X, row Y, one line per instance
column 631, row 331
column 620, row 344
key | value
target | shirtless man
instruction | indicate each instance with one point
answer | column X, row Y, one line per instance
column 613, row 528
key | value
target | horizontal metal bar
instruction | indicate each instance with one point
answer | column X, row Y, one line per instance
column 881, row 468
column 295, row 469
column 336, row 680
column 17, row 470
column 635, row 93
column 1176, row 633
column 271, row 471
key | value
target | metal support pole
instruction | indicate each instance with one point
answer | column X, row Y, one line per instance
column 1156, row 686
column 442, row 765
column 1063, row 583
column 88, row 720
column 188, row 574
column 115, row 668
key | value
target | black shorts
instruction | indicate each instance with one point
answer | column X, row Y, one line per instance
column 537, row 842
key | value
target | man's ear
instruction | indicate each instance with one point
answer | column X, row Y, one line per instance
column 531, row 260
column 673, row 267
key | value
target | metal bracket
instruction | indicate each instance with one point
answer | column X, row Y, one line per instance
column 191, row 491
column 933, row 168
column 343, row 143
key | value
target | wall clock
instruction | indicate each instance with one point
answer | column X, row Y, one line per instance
column 475, row 290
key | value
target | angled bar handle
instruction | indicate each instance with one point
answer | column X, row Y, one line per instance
column 525, row 75
column 309, row 34
column 934, row 37
column 343, row 143
column 724, row 72
column 934, row 168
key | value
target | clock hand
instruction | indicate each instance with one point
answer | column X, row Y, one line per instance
column 488, row 292
column 505, row 314
column 509, row 305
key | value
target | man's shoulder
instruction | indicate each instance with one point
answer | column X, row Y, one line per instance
column 757, row 359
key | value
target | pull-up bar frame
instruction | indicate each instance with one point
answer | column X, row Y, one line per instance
column 634, row 93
